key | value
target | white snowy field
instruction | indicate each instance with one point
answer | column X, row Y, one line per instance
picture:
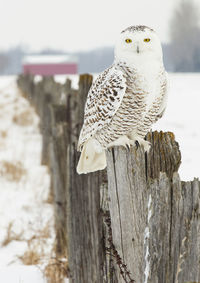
column 26, row 216
column 182, row 117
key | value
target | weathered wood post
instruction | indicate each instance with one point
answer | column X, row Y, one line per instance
column 84, row 219
column 58, row 166
column 85, row 230
column 154, row 216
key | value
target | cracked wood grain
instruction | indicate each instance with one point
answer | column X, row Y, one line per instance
column 154, row 216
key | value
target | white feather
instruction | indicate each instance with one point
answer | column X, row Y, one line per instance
column 97, row 108
column 92, row 157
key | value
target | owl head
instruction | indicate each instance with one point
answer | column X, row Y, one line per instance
column 137, row 43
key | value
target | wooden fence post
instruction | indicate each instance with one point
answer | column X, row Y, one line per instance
column 86, row 254
column 154, row 216
column 58, row 166
column 84, row 224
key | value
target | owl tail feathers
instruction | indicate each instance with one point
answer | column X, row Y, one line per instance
column 93, row 157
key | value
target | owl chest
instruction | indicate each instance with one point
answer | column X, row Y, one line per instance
column 146, row 89
column 140, row 95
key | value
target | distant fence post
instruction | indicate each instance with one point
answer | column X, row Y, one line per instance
column 58, row 166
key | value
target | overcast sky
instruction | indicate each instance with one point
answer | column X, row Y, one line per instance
column 75, row 25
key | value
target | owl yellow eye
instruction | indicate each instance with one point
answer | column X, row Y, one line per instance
column 147, row 39
column 128, row 40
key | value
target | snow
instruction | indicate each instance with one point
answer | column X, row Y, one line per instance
column 62, row 78
column 49, row 59
column 21, row 274
column 23, row 194
column 183, row 119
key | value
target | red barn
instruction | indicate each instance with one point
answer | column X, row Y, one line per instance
column 49, row 65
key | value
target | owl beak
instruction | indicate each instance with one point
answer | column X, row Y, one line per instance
column 138, row 49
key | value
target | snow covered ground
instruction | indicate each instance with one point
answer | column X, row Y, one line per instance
column 183, row 118
column 26, row 216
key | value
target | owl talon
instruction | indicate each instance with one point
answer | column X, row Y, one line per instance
column 137, row 144
column 146, row 145
column 122, row 141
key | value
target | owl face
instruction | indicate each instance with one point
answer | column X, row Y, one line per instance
column 138, row 42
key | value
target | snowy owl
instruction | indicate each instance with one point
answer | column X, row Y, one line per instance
column 125, row 100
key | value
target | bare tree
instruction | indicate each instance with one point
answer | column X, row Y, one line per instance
column 184, row 35
column 4, row 61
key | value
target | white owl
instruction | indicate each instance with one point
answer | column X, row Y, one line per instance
column 125, row 100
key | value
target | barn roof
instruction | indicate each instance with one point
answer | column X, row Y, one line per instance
column 49, row 59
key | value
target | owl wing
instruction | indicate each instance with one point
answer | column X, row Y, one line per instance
column 104, row 99
column 164, row 94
